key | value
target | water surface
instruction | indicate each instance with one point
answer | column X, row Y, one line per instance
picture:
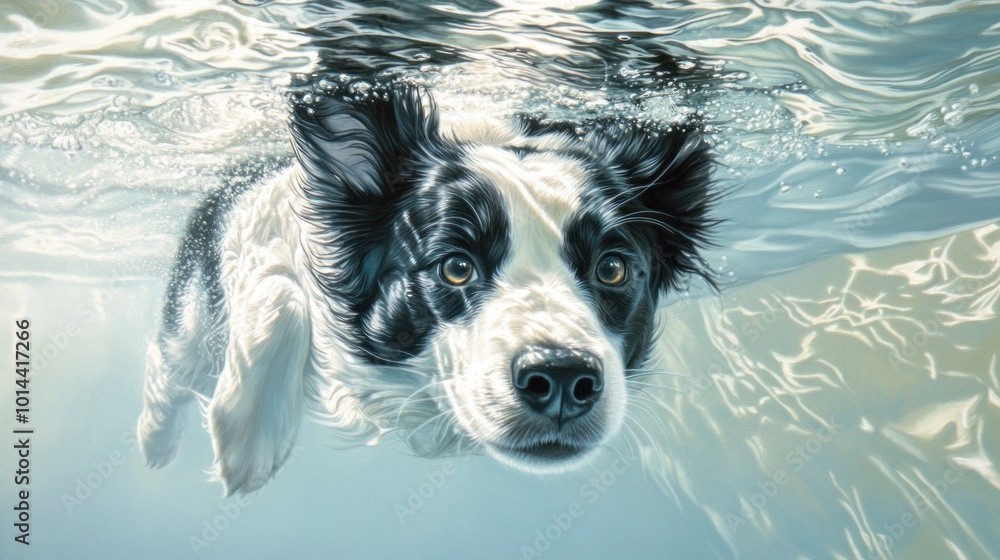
column 860, row 260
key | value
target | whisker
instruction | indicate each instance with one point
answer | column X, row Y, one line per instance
column 407, row 399
column 632, row 373
column 636, row 384
column 656, row 417
column 644, row 430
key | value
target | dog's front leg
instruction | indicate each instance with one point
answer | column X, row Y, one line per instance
column 257, row 406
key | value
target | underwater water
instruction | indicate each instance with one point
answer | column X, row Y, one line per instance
column 840, row 398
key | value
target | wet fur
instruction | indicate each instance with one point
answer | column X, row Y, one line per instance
column 318, row 286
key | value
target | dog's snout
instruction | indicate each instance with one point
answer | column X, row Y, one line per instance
column 559, row 383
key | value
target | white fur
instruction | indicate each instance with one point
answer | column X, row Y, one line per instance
column 176, row 372
column 537, row 300
column 285, row 347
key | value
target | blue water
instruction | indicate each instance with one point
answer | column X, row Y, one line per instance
column 860, row 261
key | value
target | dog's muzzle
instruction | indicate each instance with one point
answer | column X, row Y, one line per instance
column 560, row 384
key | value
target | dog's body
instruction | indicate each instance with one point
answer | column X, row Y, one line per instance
column 494, row 287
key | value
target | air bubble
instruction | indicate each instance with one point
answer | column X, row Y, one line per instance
column 66, row 142
column 953, row 117
column 360, row 87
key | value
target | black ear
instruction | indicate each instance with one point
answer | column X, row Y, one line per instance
column 666, row 173
column 356, row 149
column 359, row 155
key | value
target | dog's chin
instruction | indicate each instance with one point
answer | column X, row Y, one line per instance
column 553, row 456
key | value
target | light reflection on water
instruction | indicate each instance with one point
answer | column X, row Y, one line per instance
column 866, row 129
column 854, row 386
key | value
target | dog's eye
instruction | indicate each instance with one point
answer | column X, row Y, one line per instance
column 611, row 270
column 457, row 270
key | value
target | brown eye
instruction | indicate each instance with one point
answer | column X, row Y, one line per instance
column 457, row 270
column 611, row 270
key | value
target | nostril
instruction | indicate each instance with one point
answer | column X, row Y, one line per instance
column 538, row 385
column 585, row 389
column 560, row 383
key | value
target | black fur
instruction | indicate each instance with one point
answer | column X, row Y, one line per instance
column 649, row 204
column 371, row 198
column 390, row 199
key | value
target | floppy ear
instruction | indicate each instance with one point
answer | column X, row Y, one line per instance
column 357, row 149
column 666, row 173
column 359, row 155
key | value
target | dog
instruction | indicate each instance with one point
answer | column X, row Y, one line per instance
column 470, row 287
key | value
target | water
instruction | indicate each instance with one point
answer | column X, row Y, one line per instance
column 838, row 399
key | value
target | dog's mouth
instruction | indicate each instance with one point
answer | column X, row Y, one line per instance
column 547, row 450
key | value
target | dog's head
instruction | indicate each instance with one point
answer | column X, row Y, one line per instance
column 521, row 275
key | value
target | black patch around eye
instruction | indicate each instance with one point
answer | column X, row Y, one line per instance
column 629, row 309
column 463, row 216
column 649, row 193
column 385, row 198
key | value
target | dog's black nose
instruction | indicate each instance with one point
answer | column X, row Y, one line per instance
column 560, row 383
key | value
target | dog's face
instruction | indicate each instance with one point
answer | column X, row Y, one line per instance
column 520, row 276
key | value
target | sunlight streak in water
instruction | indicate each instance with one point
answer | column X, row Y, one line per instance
column 869, row 377
column 839, row 399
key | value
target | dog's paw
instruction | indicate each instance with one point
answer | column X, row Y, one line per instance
column 158, row 439
column 246, row 457
column 257, row 406
column 162, row 420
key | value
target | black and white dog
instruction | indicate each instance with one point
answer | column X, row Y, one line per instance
column 469, row 286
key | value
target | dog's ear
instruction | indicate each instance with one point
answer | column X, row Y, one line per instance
column 360, row 150
column 666, row 177
column 359, row 155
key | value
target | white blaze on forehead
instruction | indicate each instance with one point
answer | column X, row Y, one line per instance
column 538, row 300
column 542, row 192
